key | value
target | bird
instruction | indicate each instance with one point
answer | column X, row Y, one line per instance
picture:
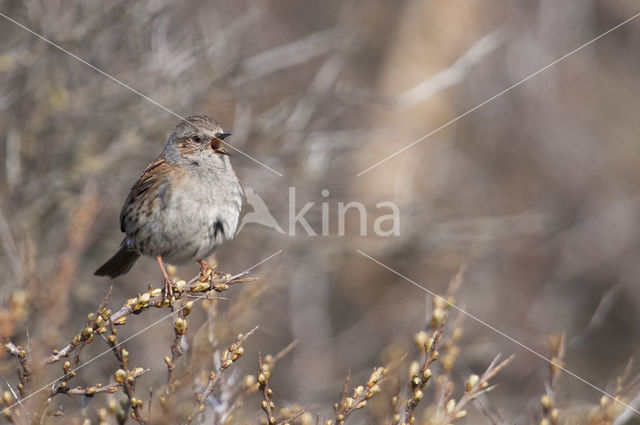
column 186, row 204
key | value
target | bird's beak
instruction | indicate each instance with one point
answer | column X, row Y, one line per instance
column 221, row 150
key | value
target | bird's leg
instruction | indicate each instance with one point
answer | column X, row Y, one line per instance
column 168, row 289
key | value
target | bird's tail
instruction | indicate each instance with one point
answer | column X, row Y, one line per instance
column 119, row 264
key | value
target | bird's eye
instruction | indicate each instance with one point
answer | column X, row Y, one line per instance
column 197, row 139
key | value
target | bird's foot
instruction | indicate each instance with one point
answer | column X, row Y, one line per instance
column 205, row 269
column 167, row 291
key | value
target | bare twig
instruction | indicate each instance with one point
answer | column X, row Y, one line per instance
column 474, row 386
column 126, row 378
column 360, row 396
column 109, row 389
column 228, row 357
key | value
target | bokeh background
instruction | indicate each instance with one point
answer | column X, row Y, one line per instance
column 537, row 192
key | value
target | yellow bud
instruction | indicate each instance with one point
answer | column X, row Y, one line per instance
column 420, row 339
column 348, row 402
column 472, row 381
column 87, row 333
column 249, row 381
column 428, row 344
column 373, row 391
column 181, row 284
column 199, row 287
column 414, row 369
column 120, row 376
column 102, row 414
column 451, row 405
column 358, row 391
column 436, row 317
column 181, row 326
column 456, row 334
column 262, row 379
column 461, row 414
column 545, row 400
column 375, row 377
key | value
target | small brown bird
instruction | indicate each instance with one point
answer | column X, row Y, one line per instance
column 186, row 204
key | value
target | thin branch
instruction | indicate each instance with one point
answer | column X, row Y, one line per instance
column 154, row 298
column 99, row 388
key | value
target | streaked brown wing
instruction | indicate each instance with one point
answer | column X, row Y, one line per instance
column 146, row 194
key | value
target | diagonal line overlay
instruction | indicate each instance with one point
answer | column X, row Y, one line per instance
column 114, row 79
column 130, row 338
column 577, row 49
column 515, row 341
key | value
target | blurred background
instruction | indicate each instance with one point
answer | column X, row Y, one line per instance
column 537, row 192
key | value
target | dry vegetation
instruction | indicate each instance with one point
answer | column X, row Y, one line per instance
column 536, row 191
column 203, row 387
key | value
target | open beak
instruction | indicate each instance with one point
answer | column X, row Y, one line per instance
column 220, row 150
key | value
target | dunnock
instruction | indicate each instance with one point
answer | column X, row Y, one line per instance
column 185, row 205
